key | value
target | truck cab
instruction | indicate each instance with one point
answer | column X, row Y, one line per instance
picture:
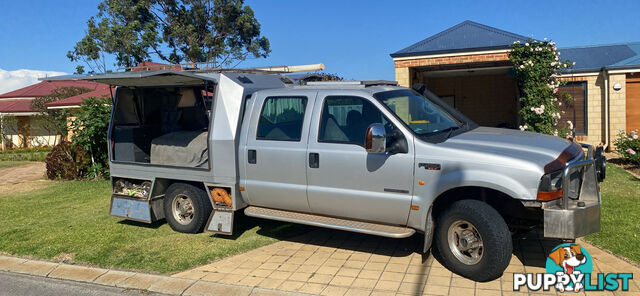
column 365, row 156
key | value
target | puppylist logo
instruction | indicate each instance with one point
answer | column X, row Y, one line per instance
column 569, row 268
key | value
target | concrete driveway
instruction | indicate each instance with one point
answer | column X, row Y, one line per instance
column 331, row 262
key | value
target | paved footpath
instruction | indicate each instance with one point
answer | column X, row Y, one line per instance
column 15, row 284
column 329, row 262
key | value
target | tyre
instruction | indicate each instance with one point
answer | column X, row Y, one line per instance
column 186, row 208
column 472, row 240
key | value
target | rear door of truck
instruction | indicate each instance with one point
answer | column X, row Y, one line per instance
column 275, row 154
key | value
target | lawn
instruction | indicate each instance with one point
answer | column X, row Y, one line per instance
column 70, row 220
column 620, row 216
column 12, row 163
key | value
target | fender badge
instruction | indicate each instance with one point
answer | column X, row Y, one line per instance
column 429, row 166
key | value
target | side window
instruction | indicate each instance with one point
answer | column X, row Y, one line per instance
column 281, row 118
column 345, row 119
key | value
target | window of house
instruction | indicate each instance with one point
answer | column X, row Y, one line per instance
column 346, row 119
column 281, row 118
column 576, row 109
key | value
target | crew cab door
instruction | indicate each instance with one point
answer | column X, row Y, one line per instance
column 275, row 154
column 346, row 181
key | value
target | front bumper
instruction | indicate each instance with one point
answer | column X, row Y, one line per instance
column 571, row 217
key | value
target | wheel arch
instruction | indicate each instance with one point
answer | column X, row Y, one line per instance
column 499, row 200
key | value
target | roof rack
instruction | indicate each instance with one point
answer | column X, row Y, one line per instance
column 361, row 83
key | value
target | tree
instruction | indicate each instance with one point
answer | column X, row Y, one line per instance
column 217, row 32
column 55, row 121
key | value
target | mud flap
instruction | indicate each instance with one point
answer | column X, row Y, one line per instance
column 428, row 232
column 221, row 221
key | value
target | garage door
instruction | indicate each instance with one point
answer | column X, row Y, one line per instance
column 633, row 105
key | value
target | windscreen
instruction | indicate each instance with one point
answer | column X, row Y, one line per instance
column 422, row 116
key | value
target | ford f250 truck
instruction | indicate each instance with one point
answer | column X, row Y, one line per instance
column 195, row 147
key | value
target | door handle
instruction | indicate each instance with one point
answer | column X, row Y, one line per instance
column 251, row 157
column 314, row 160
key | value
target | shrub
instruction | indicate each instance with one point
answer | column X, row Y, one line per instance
column 67, row 162
column 628, row 146
column 537, row 65
column 90, row 134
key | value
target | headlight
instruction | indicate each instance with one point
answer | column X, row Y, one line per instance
column 550, row 187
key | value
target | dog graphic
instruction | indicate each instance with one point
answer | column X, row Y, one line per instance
column 569, row 258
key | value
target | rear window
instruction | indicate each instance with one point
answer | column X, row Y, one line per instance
column 281, row 118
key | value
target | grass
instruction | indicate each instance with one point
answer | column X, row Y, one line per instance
column 620, row 216
column 12, row 163
column 25, row 154
column 70, row 220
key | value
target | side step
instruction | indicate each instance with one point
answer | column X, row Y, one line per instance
column 330, row 222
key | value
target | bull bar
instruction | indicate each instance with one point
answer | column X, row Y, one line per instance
column 569, row 218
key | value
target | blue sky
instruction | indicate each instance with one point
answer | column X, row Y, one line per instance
column 352, row 38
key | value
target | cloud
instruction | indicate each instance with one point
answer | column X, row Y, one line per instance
column 12, row 80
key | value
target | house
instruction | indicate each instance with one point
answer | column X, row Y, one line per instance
column 468, row 66
column 25, row 129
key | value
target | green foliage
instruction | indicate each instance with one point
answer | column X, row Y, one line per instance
column 219, row 32
column 9, row 126
column 25, row 154
column 67, row 162
column 628, row 146
column 537, row 64
column 90, row 134
column 54, row 121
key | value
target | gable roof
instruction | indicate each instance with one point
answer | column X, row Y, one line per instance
column 103, row 90
column 44, row 88
column 15, row 106
column 594, row 58
column 465, row 36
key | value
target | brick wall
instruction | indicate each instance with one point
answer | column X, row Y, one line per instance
column 595, row 108
column 402, row 77
column 617, row 106
column 473, row 58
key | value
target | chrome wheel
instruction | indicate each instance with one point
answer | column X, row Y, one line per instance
column 182, row 206
column 465, row 242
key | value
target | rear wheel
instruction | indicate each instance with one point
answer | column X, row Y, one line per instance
column 473, row 240
column 186, row 208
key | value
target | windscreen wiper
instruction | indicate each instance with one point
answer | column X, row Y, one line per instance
column 450, row 130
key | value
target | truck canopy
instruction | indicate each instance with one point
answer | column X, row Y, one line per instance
column 145, row 78
column 154, row 109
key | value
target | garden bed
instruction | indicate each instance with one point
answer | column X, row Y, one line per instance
column 631, row 168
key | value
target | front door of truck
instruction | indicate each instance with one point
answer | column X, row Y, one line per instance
column 275, row 154
column 346, row 181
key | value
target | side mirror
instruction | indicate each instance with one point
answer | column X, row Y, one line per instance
column 375, row 139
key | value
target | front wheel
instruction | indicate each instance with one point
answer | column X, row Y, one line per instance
column 473, row 240
column 186, row 208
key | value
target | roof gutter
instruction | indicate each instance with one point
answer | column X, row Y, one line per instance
column 63, row 107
